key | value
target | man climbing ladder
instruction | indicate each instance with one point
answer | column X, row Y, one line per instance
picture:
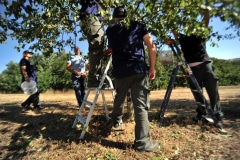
column 197, row 89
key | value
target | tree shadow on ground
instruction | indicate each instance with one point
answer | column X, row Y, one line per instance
column 179, row 112
column 54, row 123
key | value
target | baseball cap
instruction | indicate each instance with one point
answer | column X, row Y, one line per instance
column 119, row 12
column 27, row 51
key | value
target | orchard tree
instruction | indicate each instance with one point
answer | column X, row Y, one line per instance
column 10, row 79
column 43, row 23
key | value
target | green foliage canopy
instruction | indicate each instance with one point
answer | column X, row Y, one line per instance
column 43, row 22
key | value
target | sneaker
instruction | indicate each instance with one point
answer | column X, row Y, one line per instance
column 113, row 124
column 118, row 126
column 106, row 130
column 207, row 119
column 219, row 125
column 153, row 146
column 203, row 118
column 25, row 106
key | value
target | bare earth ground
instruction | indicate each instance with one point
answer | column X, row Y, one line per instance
column 48, row 134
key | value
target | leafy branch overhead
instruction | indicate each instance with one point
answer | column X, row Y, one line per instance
column 43, row 23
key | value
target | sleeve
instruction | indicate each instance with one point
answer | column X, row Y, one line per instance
column 69, row 61
column 22, row 63
column 144, row 29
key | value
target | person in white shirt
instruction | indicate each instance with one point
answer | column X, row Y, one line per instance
column 79, row 68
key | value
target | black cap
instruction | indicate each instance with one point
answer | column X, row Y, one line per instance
column 119, row 12
column 27, row 51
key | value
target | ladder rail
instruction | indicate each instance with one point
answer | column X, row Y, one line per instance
column 105, row 73
column 98, row 90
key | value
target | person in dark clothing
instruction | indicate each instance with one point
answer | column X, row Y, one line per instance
column 131, row 72
column 78, row 66
column 92, row 27
column 28, row 72
column 195, row 54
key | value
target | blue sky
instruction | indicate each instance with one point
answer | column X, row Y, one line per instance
column 227, row 49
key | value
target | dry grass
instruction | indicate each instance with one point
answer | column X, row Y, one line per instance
column 48, row 134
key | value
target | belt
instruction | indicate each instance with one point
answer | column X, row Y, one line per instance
column 202, row 64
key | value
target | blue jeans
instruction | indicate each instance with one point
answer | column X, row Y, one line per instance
column 79, row 88
column 139, row 86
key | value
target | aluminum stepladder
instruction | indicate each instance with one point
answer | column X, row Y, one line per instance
column 180, row 65
column 83, row 120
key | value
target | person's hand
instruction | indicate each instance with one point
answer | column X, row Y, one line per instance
column 151, row 75
column 77, row 73
column 84, row 75
column 189, row 70
column 27, row 79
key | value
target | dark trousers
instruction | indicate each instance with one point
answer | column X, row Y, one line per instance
column 207, row 78
column 139, row 85
column 79, row 88
column 34, row 98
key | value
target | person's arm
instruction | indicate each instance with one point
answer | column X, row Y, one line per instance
column 152, row 55
column 24, row 73
column 69, row 68
column 87, row 67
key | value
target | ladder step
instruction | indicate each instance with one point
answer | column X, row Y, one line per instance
column 88, row 103
column 102, row 88
column 81, row 119
column 109, row 89
column 195, row 90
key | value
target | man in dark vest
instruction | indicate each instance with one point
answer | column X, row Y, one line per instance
column 132, row 72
